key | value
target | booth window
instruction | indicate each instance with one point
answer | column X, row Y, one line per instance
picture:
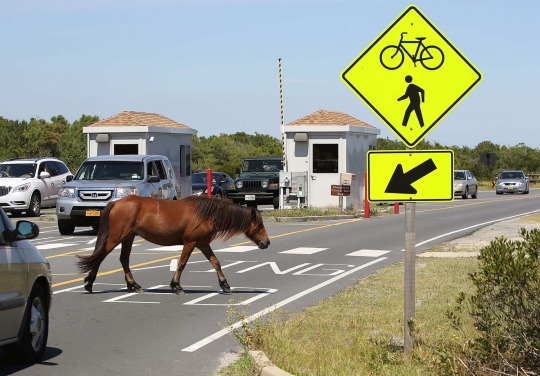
column 126, row 149
column 185, row 160
column 325, row 158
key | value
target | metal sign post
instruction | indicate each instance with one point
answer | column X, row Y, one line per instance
column 410, row 258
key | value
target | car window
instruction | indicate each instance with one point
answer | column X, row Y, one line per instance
column 160, row 170
column 17, row 170
column 110, row 170
column 62, row 167
column 3, row 235
column 169, row 169
column 469, row 176
column 459, row 175
column 42, row 168
column 151, row 169
column 54, row 170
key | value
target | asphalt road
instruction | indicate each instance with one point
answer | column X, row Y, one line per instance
column 112, row 332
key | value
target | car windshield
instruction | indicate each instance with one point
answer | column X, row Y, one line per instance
column 201, row 178
column 17, row 170
column 511, row 175
column 459, row 175
column 256, row 165
column 110, row 170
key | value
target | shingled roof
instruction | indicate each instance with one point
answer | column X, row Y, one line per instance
column 132, row 118
column 325, row 117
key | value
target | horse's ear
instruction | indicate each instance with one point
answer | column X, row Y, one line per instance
column 254, row 215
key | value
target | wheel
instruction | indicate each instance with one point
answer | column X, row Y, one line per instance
column 65, row 227
column 432, row 57
column 276, row 202
column 391, row 57
column 34, row 209
column 35, row 330
column 94, row 227
column 15, row 214
column 475, row 193
column 499, row 193
column 466, row 193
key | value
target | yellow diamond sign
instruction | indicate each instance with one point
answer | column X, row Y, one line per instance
column 411, row 76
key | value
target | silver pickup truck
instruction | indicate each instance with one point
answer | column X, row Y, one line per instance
column 106, row 178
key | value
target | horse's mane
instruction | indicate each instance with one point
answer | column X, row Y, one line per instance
column 229, row 219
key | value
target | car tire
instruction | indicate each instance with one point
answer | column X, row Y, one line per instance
column 276, row 202
column 35, row 331
column 466, row 193
column 94, row 227
column 499, row 193
column 16, row 214
column 475, row 195
column 34, row 208
column 65, row 227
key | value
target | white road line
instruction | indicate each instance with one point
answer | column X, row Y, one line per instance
column 42, row 247
column 304, row 251
column 367, row 253
column 473, row 226
column 172, row 248
column 238, row 324
column 241, row 248
column 92, row 241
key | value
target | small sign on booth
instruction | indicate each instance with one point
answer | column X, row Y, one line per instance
column 340, row 190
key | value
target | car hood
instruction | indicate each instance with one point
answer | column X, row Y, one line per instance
column 457, row 181
column 12, row 182
column 200, row 186
column 87, row 184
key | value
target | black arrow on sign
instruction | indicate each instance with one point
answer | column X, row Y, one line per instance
column 400, row 182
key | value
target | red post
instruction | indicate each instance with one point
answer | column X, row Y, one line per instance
column 366, row 202
column 396, row 207
column 209, row 182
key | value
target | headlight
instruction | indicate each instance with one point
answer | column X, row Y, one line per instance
column 264, row 184
column 66, row 192
column 239, row 184
column 458, row 185
column 519, row 184
column 197, row 191
column 126, row 191
column 21, row 188
column 500, row 184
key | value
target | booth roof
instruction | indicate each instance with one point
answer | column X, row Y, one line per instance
column 132, row 118
column 325, row 117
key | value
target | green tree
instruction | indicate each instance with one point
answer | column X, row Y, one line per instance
column 74, row 148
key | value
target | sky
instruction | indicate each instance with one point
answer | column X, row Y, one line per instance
column 213, row 64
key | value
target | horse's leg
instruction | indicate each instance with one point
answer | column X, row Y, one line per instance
column 207, row 251
column 91, row 277
column 127, row 244
column 184, row 257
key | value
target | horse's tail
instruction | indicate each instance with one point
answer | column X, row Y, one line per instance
column 87, row 263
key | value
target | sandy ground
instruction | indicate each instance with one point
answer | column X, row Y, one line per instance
column 469, row 246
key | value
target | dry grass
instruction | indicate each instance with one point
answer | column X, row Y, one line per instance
column 360, row 330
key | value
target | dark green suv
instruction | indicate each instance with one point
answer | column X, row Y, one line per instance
column 258, row 182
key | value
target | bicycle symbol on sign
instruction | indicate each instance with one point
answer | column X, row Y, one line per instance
column 431, row 57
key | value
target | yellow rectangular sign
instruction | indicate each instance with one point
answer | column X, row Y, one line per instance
column 410, row 175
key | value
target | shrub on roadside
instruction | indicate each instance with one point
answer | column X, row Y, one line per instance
column 505, row 307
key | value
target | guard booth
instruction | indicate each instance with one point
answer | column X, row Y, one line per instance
column 331, row 148
column 144, row 133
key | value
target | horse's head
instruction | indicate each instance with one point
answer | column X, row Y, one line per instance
column 257, row 232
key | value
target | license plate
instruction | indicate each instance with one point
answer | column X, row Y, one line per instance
column 93, row 213
column 250, row 197
column 510, row 187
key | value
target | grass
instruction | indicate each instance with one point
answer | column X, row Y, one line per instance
column 309, row 211
column 360, row 330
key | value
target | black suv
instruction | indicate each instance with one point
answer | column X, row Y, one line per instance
column 258, row 182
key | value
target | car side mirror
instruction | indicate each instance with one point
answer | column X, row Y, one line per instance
column 69, row 178
column 154, row 179
column 25, row 230
column 44, row 175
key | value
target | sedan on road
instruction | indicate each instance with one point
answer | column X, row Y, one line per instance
column 465, row 184
column 221, row 183
column 25, row 292
column 512, row 181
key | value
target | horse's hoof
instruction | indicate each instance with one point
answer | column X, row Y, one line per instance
column 225, row 287
column 179, row 292
column 88, row 288
column 139, row 290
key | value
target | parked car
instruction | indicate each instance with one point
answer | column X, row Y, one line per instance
column 512, row 181
column 25, row 292
column 258, row 182
column 465, row 184
column 106, row 178
column 221, row 183
column 27, row 185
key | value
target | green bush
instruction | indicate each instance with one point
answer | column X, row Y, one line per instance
column 505, row 307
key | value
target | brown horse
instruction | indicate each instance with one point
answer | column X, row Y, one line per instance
column 194, row 221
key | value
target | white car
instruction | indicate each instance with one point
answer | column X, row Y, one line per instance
column 25, row 292
column 27, row 185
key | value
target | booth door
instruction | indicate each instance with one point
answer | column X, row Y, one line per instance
column 324, row 172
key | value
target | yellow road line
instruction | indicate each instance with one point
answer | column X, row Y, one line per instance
column 119, row 270
column 473, row 203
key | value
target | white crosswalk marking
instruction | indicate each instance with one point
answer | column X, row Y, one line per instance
column 304, row 251
column 172, row 248
column 242, row 248
column 53, row 245
column 368, row 253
